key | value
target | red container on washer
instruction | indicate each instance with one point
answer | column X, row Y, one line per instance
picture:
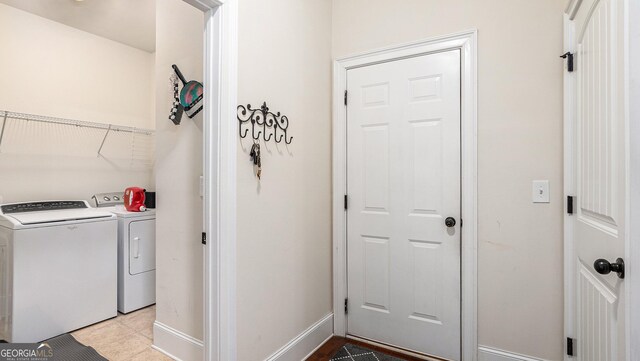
column 134, row 199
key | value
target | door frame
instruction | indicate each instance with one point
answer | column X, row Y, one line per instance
column 219, row 176
column 632, row 85
column 569, row 87
column 466, row 42
column 631, row 54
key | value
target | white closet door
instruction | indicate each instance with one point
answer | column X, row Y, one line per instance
column 403, row 181
column 599, row 229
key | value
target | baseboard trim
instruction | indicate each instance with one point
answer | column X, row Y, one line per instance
column 306, row 343
column 176, row 344
column 493, row 354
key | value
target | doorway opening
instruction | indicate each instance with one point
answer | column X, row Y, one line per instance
column 91, row 115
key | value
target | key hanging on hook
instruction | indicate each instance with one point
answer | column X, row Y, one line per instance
column 256, row 159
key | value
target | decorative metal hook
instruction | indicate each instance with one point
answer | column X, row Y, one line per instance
column 242, row 110
column 264, row 133
column 262, row 118
column 288, row 141
column 253, row 129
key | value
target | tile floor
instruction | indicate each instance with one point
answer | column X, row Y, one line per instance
column 124, row 338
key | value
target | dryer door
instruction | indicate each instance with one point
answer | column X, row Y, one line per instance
column 142, row 246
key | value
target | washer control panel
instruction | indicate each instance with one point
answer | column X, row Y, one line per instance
column 41, row 206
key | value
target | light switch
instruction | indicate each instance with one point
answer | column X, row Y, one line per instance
column 540, row 191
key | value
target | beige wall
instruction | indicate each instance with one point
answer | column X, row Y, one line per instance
column 519, row 140
column 284, row 220
column 179, row 262
column 50, row 69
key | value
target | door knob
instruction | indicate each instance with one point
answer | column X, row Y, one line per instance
column 603, row 267
column 450, row 222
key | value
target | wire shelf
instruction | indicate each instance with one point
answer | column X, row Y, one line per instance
column 36, row 134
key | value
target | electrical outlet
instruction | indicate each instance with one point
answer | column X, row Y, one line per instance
column 540, row 191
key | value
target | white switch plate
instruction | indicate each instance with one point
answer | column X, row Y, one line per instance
column 540, row 192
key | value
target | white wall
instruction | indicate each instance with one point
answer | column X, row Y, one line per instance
column 284, row 220
column 50, row 69
column 520, row 270
column 179, row 254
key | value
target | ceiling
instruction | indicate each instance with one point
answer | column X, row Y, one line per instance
column 131, row 22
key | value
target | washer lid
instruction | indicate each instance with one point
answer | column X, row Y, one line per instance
column 31, row 218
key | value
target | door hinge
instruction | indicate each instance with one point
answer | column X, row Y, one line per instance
column 346, row 306
column 345, row 97
column 570, row 204
column 204, row 238
column 461, row 222
column 346, row 202
column 570, row 346
column 569, row 58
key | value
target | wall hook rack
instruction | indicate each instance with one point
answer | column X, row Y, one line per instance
column 266, row 122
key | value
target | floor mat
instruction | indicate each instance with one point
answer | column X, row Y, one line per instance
column 66, row 348
column 351, row 352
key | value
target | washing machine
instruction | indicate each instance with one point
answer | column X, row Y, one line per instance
column 136, row 252
column 57, row 268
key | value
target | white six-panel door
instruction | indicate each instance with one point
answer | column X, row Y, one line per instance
column 403, row 181
column 599, row 155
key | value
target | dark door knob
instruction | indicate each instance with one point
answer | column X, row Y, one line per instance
column 450, row 222
column 603, row 267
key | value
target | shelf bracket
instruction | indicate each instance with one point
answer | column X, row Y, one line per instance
column 4, row 122
column 103, row 140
